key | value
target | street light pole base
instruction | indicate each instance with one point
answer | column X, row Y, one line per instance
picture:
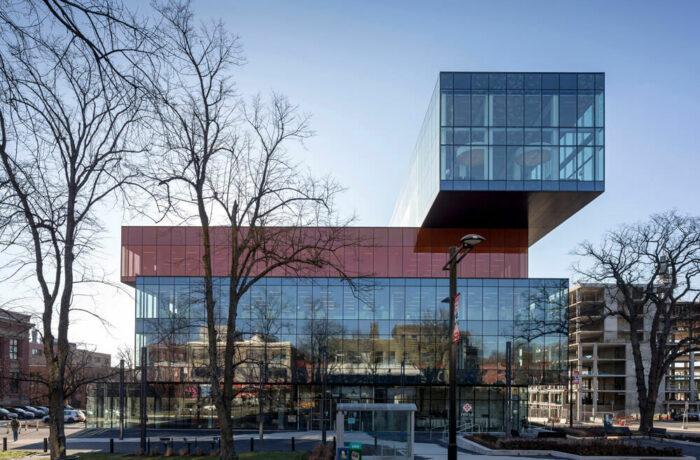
column 452, row 452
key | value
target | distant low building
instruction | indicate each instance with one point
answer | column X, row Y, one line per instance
column 84, row 365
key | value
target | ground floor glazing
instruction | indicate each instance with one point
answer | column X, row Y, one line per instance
column 298, row 407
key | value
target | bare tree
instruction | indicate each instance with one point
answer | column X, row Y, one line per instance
column 66, row 141
column 650, row 269
column 126, row 352
column 110, row 35
column 224, row 161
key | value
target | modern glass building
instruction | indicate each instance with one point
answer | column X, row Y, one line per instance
column 508, row 156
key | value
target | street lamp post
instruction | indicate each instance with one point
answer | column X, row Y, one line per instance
column 457, row 253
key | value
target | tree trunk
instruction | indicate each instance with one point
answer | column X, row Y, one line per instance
column 57, row 437
column 228, row 450
column 260, row 410
column 646, row 418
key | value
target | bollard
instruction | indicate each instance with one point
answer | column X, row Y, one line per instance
column 252, row 444
column 195, row 442
column 148, row 446
column 111, row 445
column 37, row 425
column 46, row 445
column 333, row 443
column 293, row 446
column 4, row 444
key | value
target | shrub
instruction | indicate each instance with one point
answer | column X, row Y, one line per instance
column 183, row 452
column 322, row 452
column 169, row 452
column 199, row 452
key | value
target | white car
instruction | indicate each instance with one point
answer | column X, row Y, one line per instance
column 72, row 416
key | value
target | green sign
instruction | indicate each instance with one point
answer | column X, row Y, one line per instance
column 355, row 451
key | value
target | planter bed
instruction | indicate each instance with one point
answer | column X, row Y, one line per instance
column 570, row 449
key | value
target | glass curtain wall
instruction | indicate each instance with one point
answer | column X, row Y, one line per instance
column 522, row 131
column 386, row 340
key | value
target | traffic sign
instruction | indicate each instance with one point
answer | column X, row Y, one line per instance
column 467, row 408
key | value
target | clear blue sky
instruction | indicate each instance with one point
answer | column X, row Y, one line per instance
column 365, row 71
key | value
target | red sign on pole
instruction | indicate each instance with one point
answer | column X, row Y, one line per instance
column 455, row 332
column 575, row 379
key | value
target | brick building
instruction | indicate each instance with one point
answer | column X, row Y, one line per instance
column 14, row 358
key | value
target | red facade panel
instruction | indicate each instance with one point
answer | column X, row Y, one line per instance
column 378, row 252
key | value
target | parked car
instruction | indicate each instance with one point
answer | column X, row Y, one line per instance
column 37, row 412
column 44, row 408
column 22, row 413
column 83, row 413
column 693, row 416
column 72, row 416
column 6, row 414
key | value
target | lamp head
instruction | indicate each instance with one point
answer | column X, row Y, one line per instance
column 471, row 240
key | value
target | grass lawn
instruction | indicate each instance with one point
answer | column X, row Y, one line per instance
column 242, row 455
column 14, row 454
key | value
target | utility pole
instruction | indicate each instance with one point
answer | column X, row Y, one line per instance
column 121, row 399
column 144, row 389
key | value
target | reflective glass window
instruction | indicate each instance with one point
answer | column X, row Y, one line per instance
column 497, row 136
column 533, row 136
column 515, row 108
column 550, row 109
column 479, row 136
column 446, row 108
column 497, row 81
column 462, row 136
column 532, row 162
column 567, row 109
column 515, row 136
column 585, row 164
column 497, row 163
column 567, row 163
column 550, row 163
column 533, row 81
column 585, row 109
column 462, row 162
column 533, row 109
column 479, row 108
column 515, row 81
column 586, row 81
column 480, row 81
column 462, row 108
column 446, row 162
column 550, row 136
column 446, row 135
column 474, row 303
column 599, row 109
column 515, row 163
column 585, row 136
column 479, row 163
column 497, row 108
